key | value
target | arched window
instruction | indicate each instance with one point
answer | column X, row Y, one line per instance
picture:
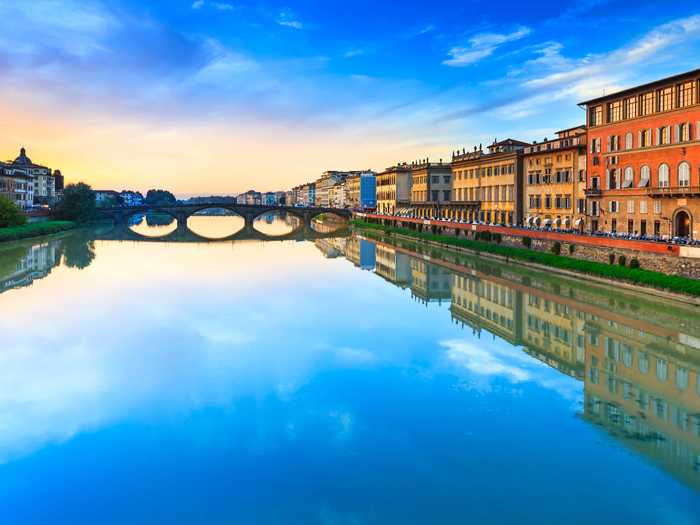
column 644, row 175
column 629, row 141
column 684, row 174
column 663, row 176
column 629, row 177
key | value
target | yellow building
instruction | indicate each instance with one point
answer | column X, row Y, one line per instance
column 393, row 188
column 431, row 187
column 555, row 181
column 488, row 187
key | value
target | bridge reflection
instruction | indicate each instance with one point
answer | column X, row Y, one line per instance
column 638, row 358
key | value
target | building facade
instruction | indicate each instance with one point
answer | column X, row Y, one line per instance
column 362, row 190
column 431, row 187
column 17, row 185
column 394, row 188
column 644, row 159
column 555, row 181
column 488, row 187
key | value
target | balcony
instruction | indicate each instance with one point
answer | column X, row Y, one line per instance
column 675, row 191
column 593, row 192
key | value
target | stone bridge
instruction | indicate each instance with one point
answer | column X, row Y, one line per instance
column 182, row 212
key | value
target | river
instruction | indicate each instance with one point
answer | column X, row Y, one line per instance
column 335, row 381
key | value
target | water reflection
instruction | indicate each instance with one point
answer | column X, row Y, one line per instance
column 152, row 224
column 277, row 223
column 638, row 358
column 328, row 222
column 436, row 388
column 215, row 223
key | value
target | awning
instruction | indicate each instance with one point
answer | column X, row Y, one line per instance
column 547, row 222
column 567, row 222
column 557, row 221
column 536, row 221
column 529, row 220
column 579, row 221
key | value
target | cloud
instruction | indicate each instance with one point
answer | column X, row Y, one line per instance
column 486, row 361
column 482, row 46
column 287, row 18
column 354, row 53
column 219, row 6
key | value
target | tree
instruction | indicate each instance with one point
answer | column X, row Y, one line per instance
column 78, row 203
column 160, row 197
column 10, row 214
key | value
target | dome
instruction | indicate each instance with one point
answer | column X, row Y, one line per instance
column 23, row 159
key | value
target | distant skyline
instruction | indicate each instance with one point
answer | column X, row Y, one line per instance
column 218, row 97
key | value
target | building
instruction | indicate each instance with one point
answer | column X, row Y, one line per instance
column 107, row 198
column 394, row 189
column 132, row 198
column 431, row 187
column 488, row 187
column 337, row 195
column 325, row 183
column 269, row 198
column 43, row 184
column 644, row 158
column 362, row 190
column 555, row 181
column 17, row 185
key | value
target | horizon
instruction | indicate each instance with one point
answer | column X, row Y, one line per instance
column 215, row 98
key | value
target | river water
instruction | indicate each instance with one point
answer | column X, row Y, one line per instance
column 335, row 381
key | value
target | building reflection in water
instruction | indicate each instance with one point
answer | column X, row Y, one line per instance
column 638, row 357
column 22, row 263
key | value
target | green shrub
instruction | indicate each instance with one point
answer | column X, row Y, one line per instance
column 611, row 258
column 622, row 260
column 572, row 249
column 34, row 229
column 634, row 263
column 527, row 242
column 497, row 237
column 635, row 275
column 10, row 214
column 556, row 248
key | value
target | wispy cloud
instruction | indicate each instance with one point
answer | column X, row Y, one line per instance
column 287, row 18
column 351, row 53
column 482, row 46
column 219, row 6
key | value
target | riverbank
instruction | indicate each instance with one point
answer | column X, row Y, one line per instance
column 635, row 276
column 35, row 229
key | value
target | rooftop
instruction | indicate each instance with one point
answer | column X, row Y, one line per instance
column 641, row 87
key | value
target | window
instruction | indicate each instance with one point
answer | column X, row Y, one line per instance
column 596, row 116
column 631, row 107
column 684, row 174
column 683, row 132
column 663, row 135
column 666, row 99
column 644, row 176
column 643, row 361
column 647, row 104
column 629, row 177
column 661, row 369
column 630, row 206
column 687, row 94
column 615, row 111
column 682, row 378
column 663, row 176
column 657, row 207
column 613, row 206
column 643, row 206
column 629, row 140
column 645, row 138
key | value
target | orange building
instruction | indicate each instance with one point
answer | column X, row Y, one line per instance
column 644, row 159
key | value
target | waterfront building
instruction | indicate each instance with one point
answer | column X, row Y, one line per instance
column 36, row 263
column 644, row 158
column 43, row 184
column 325, row 183
column 107, row 198
column 132, row 198
column 337, row 195
column 488, row 187
column 269, row 198
column 555, row 181
column 394, row 188
column 17, row 185
column 431, row 187
column 362, row 190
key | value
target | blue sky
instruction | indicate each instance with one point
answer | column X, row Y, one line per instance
column 260, row 94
